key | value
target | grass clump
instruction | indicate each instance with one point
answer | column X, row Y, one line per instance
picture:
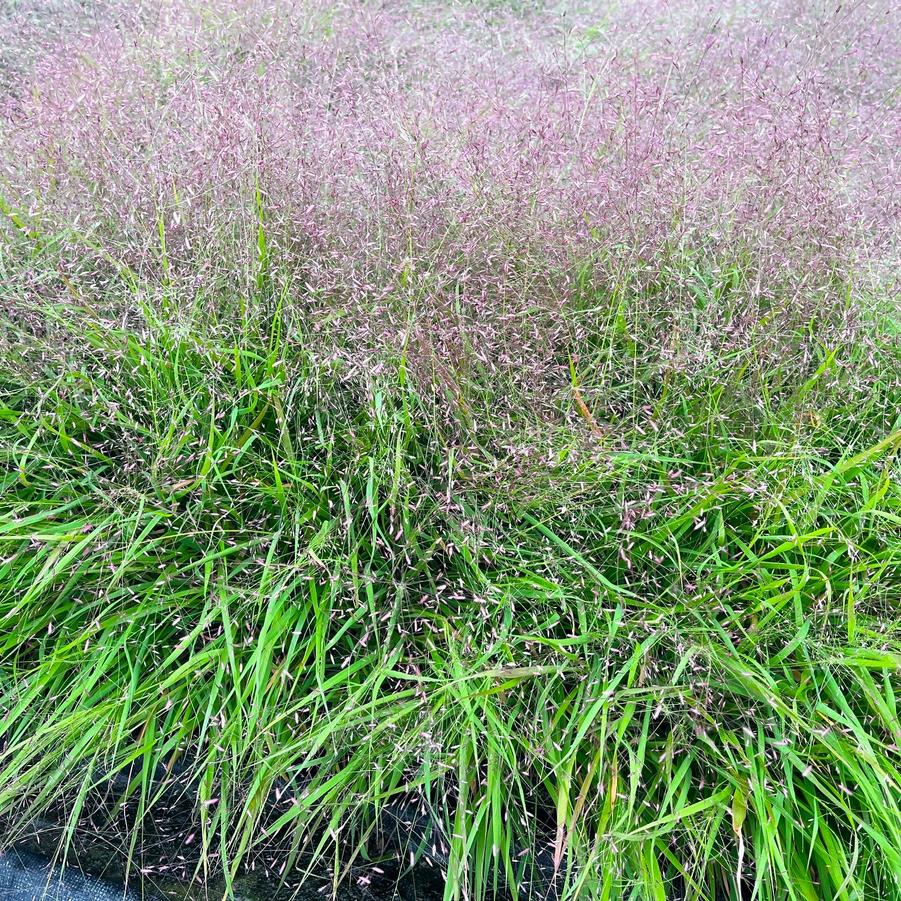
column 524, row 469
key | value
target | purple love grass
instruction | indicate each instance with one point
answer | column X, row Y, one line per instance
column 481, row 187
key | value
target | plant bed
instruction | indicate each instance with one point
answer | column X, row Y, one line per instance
column 458, row 437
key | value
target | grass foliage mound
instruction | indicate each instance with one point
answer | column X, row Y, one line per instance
column 482, row 413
